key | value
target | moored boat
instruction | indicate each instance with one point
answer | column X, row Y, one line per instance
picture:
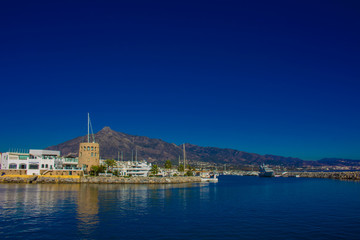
column 266, row 171
column 210, row 177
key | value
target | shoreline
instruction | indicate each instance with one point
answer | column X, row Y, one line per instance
column 95, row 180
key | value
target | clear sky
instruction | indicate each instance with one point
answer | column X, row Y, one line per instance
column 270, row 77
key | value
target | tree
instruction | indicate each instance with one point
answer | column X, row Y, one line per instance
column 154, row 169
column 95, row 170
column 168, row 164
column 116, row 173
column 110, row 163
column 191, row 168
column 189, row 173
column 181, row 168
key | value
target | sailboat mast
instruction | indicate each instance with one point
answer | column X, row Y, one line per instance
column 184, row 157
column 88, row 127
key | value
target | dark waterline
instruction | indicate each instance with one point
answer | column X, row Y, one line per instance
column 234, row 208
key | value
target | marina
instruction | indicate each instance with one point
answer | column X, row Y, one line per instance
column 50, row 163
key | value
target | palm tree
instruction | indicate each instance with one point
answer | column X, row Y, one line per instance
column 181, row 168
column 189, row 173
column 168, row 164
column 154, row 169
column 110, row 163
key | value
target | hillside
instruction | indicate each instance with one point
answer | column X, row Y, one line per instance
column 157, row 150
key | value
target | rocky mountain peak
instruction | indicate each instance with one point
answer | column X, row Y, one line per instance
column 106, row 129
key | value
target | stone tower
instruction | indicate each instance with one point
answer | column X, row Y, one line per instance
column 89, row 155
column 89, row 152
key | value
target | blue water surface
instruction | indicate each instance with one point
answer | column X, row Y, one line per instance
column 234, row 208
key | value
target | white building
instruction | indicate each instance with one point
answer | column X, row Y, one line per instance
column 36, row 160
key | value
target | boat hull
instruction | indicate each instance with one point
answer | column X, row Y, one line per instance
column 209, row 180
column 266, row 174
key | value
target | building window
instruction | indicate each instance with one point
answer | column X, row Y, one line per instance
column 95, row 154
column 95, row 148
column 46, row 166
column 84, row 148
column 80, row 154
column 88, row 148
column 92, row 154
column 33, row 166
column 51, row 167
column 22, row 166
column 12, row 166
column 92, row 148
column 42, row 165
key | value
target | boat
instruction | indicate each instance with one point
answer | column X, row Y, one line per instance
column 135, row 169
column 266, row 171
column 209, row 177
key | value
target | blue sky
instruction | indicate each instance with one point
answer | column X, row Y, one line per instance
column 278, row 77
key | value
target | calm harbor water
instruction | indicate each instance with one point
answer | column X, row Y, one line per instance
column 234, row 208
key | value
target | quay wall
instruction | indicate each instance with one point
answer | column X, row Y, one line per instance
column 97, row 180
column 12, row 172
column 61, row 172
column 42, row 172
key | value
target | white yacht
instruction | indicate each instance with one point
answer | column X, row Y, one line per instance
column 209, row 177
column 135, row 169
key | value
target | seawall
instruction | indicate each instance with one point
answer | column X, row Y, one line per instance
column 332, row 175
column 96, row 180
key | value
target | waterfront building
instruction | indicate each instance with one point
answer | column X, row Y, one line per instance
column 36, row 162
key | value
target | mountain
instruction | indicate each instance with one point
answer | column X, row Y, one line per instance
column 157, row 150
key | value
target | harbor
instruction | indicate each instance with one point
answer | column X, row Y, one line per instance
column 49, row 166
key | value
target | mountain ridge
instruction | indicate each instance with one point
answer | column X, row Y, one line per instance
column 157, row 150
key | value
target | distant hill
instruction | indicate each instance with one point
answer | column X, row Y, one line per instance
column 339, row 162
column 157, row 150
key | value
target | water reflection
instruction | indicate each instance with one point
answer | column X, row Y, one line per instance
column 85, row 208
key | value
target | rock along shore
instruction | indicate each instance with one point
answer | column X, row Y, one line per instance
column 332, row 175
column 99, row 180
